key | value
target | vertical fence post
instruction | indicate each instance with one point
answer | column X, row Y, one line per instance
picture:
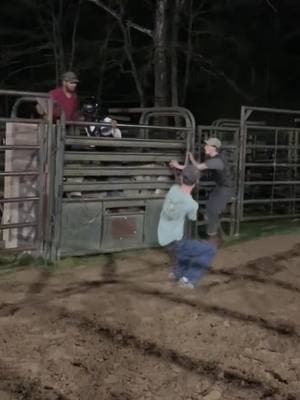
column 58, row 171
column 296, row 169
column 41, row 184
column 241, row 170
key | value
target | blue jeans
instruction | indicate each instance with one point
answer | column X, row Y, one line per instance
column 192, row 259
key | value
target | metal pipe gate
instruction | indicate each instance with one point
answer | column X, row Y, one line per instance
column 63, row 193
column 109, row 192
column 25, row 188
column 269, row 167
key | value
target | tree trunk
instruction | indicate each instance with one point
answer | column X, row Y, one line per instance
column 160, row 55
column 174, row 55
column 188, row 54
column 74, row 32
column 55, row 36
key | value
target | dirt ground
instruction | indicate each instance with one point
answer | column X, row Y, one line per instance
column 118, row 329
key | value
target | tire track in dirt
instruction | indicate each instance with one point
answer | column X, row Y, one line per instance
column 24, row 388
column 120, row 337
column 267, row 266
column 8, row 309
column 260, row 270
column 281, row 328
column 209, row 369
column 27, row 389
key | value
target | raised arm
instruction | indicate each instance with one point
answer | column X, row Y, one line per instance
column 175, row 164
column 200, row 166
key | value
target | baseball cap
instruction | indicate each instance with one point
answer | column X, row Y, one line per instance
column 213, row 142
column 190, row 175
column 70, row 77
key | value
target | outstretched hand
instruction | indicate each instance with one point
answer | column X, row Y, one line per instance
column 175, row 164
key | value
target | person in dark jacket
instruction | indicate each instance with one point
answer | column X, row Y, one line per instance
column 223, row 191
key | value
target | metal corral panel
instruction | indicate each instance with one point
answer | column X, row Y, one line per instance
column 21, row 155
column 81, row 227
column 153, row 209
column 122, row 231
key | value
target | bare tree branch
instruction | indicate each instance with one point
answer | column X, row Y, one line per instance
column 139, row 28
column 127, row 44
column 188, row 54
column 104, row 64
column 8, row 53
column 17, row 71
column 100, row 3
column 228, row 80
column 74, row 31
column 271, row 5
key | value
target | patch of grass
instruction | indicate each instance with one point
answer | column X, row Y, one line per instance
column 12, row 262
column 7, row 260
column 257, row 229
column 74, row 262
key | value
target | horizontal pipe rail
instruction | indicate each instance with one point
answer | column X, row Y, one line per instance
column 114, row 186
column 229, row 129
column 119, row 157
column 101, row 142
column 267, row 183
column 19, row 173
column 116, row 171
column 273, row 164
column 272, row 110
column 264, row 201
column 272, row 128
column 19, row 147
column 18, row 225
column 273, row 216
column 23, row 120
column 134, row 126
column 23, row 93
column 20, row 249
column 18, row 199
column 272, row 146
column 109, row 200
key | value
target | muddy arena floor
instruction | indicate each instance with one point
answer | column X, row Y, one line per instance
column 120, row 330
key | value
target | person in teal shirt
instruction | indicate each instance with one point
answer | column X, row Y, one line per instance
column 191, row 258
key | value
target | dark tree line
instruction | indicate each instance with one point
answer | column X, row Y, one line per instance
column 209, row 56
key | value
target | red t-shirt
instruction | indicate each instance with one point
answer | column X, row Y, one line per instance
column 70, row 105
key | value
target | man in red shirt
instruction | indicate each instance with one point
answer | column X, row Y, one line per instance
column 65, row 98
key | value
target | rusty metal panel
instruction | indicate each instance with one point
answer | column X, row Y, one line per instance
column 122, row 231
column 152, row 213
column 81, row 227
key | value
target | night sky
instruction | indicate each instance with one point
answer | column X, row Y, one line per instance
column 243, row 51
